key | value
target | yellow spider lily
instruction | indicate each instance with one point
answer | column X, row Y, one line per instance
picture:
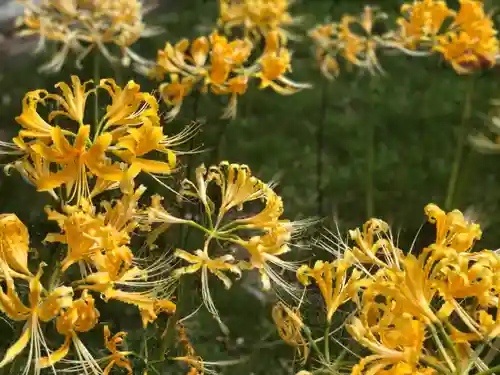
column 468, row 43
column 83, row 26
column 423, row 21
column 149, row 306
column 138, row 143
column 256, row 17
column 81, row 161
column 117, row 357
column 265, row 252
column 87, row 233
column 221, row 66
column 200, row 260
column 81, row 316
column 273, row 64
column 355, row 47
column 40, row 309
column 452, row 229
column 324, row 274
column 14, row 245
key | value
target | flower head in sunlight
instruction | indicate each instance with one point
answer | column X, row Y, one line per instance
column 466, row 38
column 421, row 311
column 243, row 229
column 256, row 17
column 422, row 21
column 353, row 39
column 60, row 149
column 84, row 26
column 333, row 281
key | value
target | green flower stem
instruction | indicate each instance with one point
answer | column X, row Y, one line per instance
column 459, row 150
column 320, row 145
column 312, row 343
column 370, row 162
column 370, row 166
column 97, row 78
column 327, row 341
column 219, row 142
column 441, row 348
column 184, row 286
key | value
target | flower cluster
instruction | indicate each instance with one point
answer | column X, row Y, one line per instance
column 255, row 17
column 466, row 38
column 80, row 26
column 353, row 39
column 258, row 240
column 98, row 242
column 59, row 148
column 425, row 311
column 224, row 67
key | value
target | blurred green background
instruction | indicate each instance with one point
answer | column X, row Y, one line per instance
column 415, row 111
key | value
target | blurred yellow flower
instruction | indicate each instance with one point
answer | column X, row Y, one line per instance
column 422, row 21
column 222, row 66
column 81, row 26
column 468, row 42
column 255, row 17
column 352, row 38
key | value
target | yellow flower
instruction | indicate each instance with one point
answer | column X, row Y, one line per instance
column 344, row 39
column 86, row 232
column 129, row 106
column 82, row 26
column 174, row 92
column 213, row 62
column 256, row 17
column 422, row 22
column 274, row 63
column 81, row 316
column 393, row 338
column 265, row 252
column 471, row 42
column 324, row 274
column 200, row 260
column 14, row 245
column 452, row 229
column 82, row 161
column 139, row 142
column 117, row 357
column 149, row 306
column 42, row 308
